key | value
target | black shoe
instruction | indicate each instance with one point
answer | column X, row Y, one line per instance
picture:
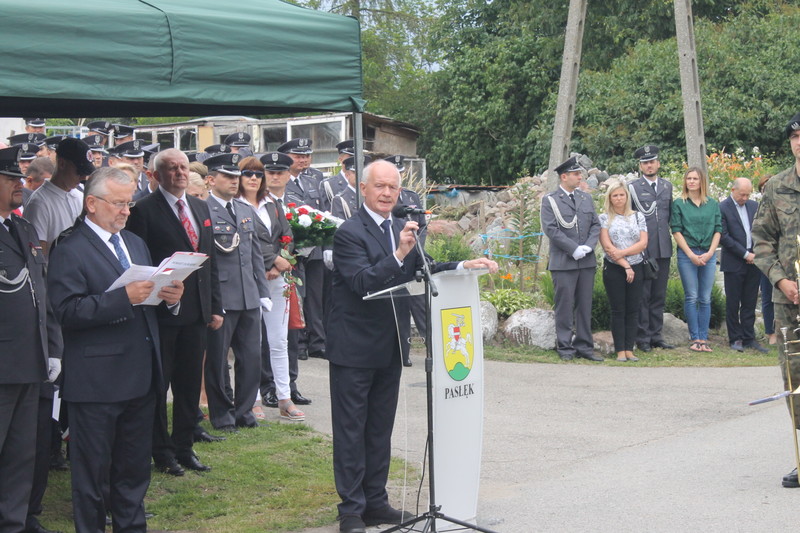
column 661, row 344
column 302, row 355
column 270, row 400
column 566, row 356
column 170, row 467
column 790, row 480
column 387, row 515
column 192, row 463
column 201, row 435
column 351, row 523
column 753, row 345
column 57, row 462
column 737, row 345
column 644, row 346
column 299, row 399
column 39, row 528
column 228, row 429
column 591, row 356
column 318, row 355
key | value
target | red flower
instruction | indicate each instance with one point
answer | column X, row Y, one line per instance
column 303, row 211
column 289, row 216
column 318, row 217
column 206, row 223
column 291, row 205
column 286, row 239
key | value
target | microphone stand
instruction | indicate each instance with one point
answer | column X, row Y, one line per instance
column 434, row 511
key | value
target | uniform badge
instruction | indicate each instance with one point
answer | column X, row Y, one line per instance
column 275, row 158
column 235, row 158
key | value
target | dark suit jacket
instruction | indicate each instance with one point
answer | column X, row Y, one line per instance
column 24, row 345
column 734, row 238
column 111, row 348
column 362, row 334
column 155, row 222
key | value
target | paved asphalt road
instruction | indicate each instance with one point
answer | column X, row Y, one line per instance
column 593, row 448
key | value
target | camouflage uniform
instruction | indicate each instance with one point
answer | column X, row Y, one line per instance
column 775, row 230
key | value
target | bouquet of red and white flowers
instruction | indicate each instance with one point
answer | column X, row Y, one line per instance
column 310, row 227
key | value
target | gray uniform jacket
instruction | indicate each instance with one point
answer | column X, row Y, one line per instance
column 309, row 195
column 659, row 235
column 242, row 277
column 331, row 187
column 563, row 241
column 343, row 204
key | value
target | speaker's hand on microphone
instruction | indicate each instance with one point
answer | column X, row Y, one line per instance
column 407, row 240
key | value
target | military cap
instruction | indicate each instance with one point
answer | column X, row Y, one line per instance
column 646, row 153
column 300, row 145
column 52, row 142
column 225, row 163
column 570, row 165
column 35, row 138
column 76, row 151
column 221, row 148
column 35, row 122
column 9, row 162
column 350, row 162
column 192, row 156
column 27, row 151
column 96, row 142
column 397, row 160
column 150, row 150
column 347, row 147
column 100, row 126
column 121, row 130
column 276, row 161
column 793, row 125
column 238, row 139
column 131, row 149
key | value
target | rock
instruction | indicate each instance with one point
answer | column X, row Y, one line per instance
column 675, row 331
column 474, row 208
column 447, row 228
column 504, row 196
column 603, row 342
column 474, row 224
column 464, row 222
column 531, row 327
column 488, row 321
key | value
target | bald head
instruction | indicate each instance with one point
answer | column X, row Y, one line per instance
column 741, row 190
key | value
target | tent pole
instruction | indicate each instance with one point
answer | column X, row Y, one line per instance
column 358, row 139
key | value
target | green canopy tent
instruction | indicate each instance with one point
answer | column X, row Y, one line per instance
column 175, row 58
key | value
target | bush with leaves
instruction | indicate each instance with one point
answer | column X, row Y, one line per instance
column 508, row 301
column 446, row 248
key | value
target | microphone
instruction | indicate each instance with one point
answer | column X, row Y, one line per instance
column 402, row 211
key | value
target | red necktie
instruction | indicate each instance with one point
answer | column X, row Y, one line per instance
column 187, row 225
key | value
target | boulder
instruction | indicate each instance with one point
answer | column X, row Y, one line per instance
column 603, row 342
column 488, row 321
column 675, row 331
column 503, row 196
column 464, row 222
column 447, row 228
column 531, row 327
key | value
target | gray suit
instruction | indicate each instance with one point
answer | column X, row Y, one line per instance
column 573, row 280
column 659, row 247
column 242, row 282
column 331, row 187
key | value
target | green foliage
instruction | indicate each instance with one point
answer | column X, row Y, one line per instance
column 675, row 300
column 508, row 301
column 445, row 248
column 601, row 309
column 546, row 288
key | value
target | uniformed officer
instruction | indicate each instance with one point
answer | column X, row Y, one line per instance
column 132, row 152
column 97, row 147
column 243, row 283
column 30, row 349
column 303, row 189
column 344, row 203
column 239, row 143
column 102, row 127
column 35, row 125
column 334, row 185
column 652, row 196
column 571, row 224
column 51, row 143
column 122, row 133
column 27, row 153
column 213, row 149
column 34, row 139
column 775, row 230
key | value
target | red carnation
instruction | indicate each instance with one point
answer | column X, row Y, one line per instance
column 289, row 216
column 291, row 204
column 303, row 211
column 318, row 217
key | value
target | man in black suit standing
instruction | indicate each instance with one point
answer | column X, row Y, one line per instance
column 169, row 220
column 742, row 276
column 372, row 251
column 112, row 365
column 28, row 352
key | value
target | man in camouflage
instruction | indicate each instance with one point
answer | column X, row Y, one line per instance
column 775, row 230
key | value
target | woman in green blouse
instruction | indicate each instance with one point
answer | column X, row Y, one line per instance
column 696, row 226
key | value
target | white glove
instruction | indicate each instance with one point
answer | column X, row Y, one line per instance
column 304, row 251
column 585, row 249
column 327, row 258
column 53, row 369
column 266, row 304
column 579, row 253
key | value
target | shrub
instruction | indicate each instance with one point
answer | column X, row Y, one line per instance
column 444, row 248
column 601, row 310
column 508, row 301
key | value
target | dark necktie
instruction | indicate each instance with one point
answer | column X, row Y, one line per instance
column 386, row 226
column 572, row 199
column 297, row 182
column 11, row 228
column 123, row 259
column 654, row 187
column 229, row 207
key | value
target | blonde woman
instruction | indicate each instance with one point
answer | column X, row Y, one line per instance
column 696, row 227
column 623, row 236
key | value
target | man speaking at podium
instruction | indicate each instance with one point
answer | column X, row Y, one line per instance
column 372, row 251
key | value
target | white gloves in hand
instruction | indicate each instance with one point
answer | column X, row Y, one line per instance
column 53, row 369
column 327, row 258
column 266, row 304
column 579, row 253
column 585, row 249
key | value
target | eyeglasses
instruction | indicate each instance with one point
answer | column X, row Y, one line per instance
column 252, row 174
column 118, row 205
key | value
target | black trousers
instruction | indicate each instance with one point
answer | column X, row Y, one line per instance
column 741, row 296
column 651, row 309
column 624, row 299
column 18, row 404
column 41, row 469
column 313, row 306
column 182, row 349
column 108, row 444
